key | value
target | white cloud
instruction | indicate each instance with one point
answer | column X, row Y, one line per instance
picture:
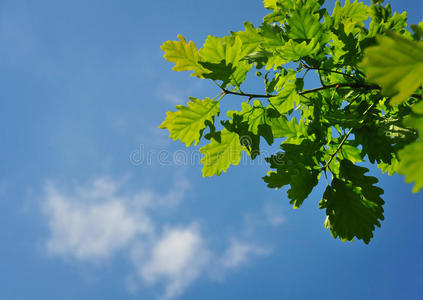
column 239, row 253
column 93, row 222
column 274, row 214
column 177, row 258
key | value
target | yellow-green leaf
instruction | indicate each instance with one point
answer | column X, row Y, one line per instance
column 228, row 50
column 188, row 122
column 411, row 156
column 286, row 98
column 270, row 4
column 350, row 15
column 218, row 156
column 396, row 64
column 304, row 24
column 184, row 55
column 250, row 38
column 294, row 51
column 411, row 164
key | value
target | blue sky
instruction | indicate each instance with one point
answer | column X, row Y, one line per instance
column 95, row 202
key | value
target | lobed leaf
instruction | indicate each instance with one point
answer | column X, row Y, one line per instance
column 350, row 15
column 304, row 24
column 184, row 55
column 396, row 64
column 353, row 204
column 292, row 130
column 188, row 122
column 228, row 51
column 219, row 155
column 295, row 167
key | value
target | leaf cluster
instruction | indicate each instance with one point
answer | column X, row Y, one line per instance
column 367, row 107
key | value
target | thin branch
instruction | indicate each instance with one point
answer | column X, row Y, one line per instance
column 329, row 71
column 225, row 91
column 320, row 77
column 332, row 156
column 340, row 85
column 347, row 107
column 335, row 85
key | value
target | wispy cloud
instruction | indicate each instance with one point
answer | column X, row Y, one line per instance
column 274, row 214
column 169, row 92
column 91, row 223
column 177, row 258
column 89, row 231
column 240, row 252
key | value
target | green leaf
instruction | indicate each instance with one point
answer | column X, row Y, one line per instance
column 411, row 156
column 396, row 64
column 286, row 98
column 184, row 55
column 219, row 71
column 350, row 15
column 304, row 24
column 292, row 50
column 279, row 4
column 275, row 61
column 353, row 204
column 256, row 120
column 295, row 167
column 272, row 36
column 411, row 164
column 292, row 130
column 382, row 21
column 188, row 122
column 418, row 30
column 341, row 119
column 230, row 51
column 346, row 50
column 376, row 144
column 218, row 156
column 344, row 119
column 250, row 38
column 255, row 115
column 347, row 152
column 270, row 4
column 280, row 9
column 237, row 124
column 260, row 57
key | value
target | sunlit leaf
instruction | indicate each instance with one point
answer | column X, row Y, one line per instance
column 218, row 156
column 184, row 55
column 188, row 122
column 396, row 64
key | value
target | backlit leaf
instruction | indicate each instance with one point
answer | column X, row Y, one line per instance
column 184, row 55
column 350, row 15
column 218, row 156
column 188, row 122
column 227, row 50
column 396, row 64
column 353, row 204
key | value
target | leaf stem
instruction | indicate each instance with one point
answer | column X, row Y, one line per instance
column 337, row 149
column 344, row 140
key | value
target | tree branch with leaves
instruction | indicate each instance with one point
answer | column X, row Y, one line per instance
column 368, row 109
